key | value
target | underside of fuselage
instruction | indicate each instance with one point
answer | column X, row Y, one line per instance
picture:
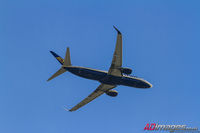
column 105, row 78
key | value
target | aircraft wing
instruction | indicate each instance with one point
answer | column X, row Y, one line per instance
column 117, row 56
column 99, row 91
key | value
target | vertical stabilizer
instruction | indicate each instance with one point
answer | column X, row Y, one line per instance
column 67, row 60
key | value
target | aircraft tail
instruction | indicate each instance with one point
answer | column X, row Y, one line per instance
column 64, row 62
column 60, row 59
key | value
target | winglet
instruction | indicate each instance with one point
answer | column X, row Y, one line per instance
column 117, row 30
column 66, row 109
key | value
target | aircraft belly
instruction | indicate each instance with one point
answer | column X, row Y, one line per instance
column 108, row 79
column 131, row 82
column 137, row 83
column 86, row 73
column 112, row 80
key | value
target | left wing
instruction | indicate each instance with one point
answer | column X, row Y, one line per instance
column 117, row 56
column 99, row 91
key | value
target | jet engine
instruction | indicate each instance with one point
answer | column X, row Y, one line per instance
column 112, row 93
column 126, row 70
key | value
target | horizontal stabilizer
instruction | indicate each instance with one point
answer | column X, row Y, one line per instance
column 60, row 71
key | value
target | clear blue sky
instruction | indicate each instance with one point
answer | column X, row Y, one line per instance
column 161, row 43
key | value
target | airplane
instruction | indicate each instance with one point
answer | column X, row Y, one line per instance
column 116, row 75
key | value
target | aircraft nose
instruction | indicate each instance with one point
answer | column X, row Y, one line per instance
column 145, row 84
column 148, row 85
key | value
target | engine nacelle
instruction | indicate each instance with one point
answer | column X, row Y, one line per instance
column 126, row 70
column 112, row 93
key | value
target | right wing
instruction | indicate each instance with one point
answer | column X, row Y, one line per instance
column 99, row 91
column 117, row 56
